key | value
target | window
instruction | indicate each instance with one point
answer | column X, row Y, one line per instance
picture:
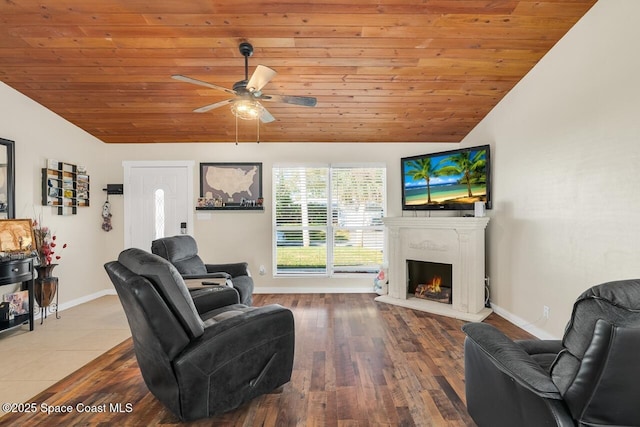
column 328, row 219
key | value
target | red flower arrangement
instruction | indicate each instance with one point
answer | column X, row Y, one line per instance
column 46, row 245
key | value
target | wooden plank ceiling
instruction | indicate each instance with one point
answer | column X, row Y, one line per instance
column 381, row 70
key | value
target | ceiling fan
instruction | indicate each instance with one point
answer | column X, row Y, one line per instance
column 248, row 92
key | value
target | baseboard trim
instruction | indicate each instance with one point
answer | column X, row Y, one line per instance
column 69, row 304
column 312, row 290
column 523, row 324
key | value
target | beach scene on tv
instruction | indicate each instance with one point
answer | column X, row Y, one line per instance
column 450, row 178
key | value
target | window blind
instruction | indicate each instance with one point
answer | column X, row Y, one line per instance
column 328, row 219
column 358, row 204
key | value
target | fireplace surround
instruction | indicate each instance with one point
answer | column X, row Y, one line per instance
column 458, row 241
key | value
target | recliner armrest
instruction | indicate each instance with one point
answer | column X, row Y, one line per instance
column 213, row 297
column 541, row 346
column 511, row 359
column 234, row 269
column 211, row 275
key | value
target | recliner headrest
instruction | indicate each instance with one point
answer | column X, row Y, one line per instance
column 621, row 293
column 175, row 248
column 169, row 284
column 617, row 302
column 182, row 252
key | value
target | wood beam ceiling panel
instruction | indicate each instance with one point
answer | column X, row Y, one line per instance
column 382, row 71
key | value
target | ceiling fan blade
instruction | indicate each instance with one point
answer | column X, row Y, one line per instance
column 201, row 83
column 261, row 76
column 212, row 106
column 305, row 101
column 266, row 116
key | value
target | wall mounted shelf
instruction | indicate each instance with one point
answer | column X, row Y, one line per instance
column 65, row 186
column 230, row 208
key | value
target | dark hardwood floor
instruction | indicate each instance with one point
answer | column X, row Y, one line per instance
column 357, row 363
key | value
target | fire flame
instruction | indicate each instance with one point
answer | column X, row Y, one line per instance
column 434, row 285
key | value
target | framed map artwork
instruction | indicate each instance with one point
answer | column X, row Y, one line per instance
column 230, row 185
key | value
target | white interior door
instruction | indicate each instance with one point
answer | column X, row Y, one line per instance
column 158, row 198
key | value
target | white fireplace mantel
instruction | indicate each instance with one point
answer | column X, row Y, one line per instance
column 458, row 241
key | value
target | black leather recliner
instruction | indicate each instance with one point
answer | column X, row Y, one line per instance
column 200, row 353
column 182, row 252
column 589, row 378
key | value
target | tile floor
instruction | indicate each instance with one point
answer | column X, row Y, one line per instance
column 33, row 361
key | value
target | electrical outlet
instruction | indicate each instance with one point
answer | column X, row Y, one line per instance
column 262, row 270
column 545, row 311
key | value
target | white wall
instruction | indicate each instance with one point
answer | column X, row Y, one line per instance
column 566, row 151
column 232, row 236
column 40, row 134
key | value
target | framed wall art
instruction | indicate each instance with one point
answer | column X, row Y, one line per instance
column 230, row 186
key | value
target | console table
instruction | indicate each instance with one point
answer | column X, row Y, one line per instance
column 16, row 271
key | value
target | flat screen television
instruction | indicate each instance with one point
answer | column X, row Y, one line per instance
column 448, row 180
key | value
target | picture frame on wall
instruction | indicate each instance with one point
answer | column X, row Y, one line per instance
column 231, row 186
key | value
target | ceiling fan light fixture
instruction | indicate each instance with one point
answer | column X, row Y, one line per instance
column 247, row 109
column 247, row 92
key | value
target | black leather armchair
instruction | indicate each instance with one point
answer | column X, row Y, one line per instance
column 200, row 353
column 182, row 252
column 590, row 378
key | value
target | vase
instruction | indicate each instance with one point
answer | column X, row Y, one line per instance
column 45, row 285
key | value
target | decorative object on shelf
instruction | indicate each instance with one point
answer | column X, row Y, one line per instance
column 18, row 303
column 240, row 184
column 65, row 186
column 46, row 285
column 205, row 203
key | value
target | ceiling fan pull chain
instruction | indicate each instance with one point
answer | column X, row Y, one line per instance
column 258, row 129
column 246, row 67
column 236, row 130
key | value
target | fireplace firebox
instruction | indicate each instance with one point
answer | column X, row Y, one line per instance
column 430, row 280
